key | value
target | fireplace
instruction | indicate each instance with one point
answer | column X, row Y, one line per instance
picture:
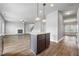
column 20, row 31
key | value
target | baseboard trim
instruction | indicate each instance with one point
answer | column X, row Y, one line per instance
column 15, row 34
column 61, row 39
column 54, row 41
column 57, row 41
column 33, row 52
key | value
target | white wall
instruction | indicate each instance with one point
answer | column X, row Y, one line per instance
column 37, row 28
column 55, row 26
column 2, row 31
column 52, row 25
column 60, row 25
column 27, row 27
column 78, row 25
column 0, row 36
column 12, row 27
column 2, row 26
column 27, row 30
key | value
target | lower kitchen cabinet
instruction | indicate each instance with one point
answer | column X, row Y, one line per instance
column 40, row 42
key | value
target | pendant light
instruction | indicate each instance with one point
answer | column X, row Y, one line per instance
column 44, row 16
column 37, row 18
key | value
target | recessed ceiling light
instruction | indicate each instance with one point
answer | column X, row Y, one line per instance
column 68, row 12
column 51, row 5
column 37, row 19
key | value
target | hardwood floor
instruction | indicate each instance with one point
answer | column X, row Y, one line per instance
column 67, row 47
column 15, row 43
column 25, row 52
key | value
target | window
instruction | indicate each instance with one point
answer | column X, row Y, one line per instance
column 71, row 28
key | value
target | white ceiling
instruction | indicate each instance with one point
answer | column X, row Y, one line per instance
column 27, row 11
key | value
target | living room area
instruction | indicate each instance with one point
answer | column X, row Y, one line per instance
column 39, row 29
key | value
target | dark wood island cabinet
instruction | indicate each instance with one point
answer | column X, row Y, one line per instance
column 42, row 42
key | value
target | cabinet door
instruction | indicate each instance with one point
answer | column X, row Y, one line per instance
column 40, row 43
column 47, row 40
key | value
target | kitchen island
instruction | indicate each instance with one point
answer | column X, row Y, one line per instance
column 40, row 42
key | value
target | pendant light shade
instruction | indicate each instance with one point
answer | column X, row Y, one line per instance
column 37, row 18
column 44, row 20
column 44, row 16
